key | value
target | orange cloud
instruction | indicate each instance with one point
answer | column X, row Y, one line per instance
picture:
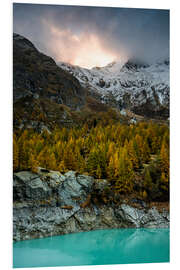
column 91, row 53
column 85, row 50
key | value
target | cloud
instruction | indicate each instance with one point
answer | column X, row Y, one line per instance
column 84, row 49
column 92, row 35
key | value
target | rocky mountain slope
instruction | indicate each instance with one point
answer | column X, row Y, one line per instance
column 36, row 73
column 41, row 90
column 138, row 87
column 46, row 94
column 49, row 203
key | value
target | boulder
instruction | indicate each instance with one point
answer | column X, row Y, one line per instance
column 53, row 178
column 28, row 185
column 154, row 219
column 40, row 222
column 130, row 214
column 142, row 218
column 75, row 189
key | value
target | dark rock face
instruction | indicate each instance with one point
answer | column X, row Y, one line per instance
column 134, row 64
column 48, row 203
column 37, row 80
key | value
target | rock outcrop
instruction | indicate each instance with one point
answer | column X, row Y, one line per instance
column 48, row 203
column 150, row 218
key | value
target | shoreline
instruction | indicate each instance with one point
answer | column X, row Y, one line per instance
column 106, row 229
column 108, row 219
column 49, row 204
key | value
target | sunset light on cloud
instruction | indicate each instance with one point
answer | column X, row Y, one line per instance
column 91, row 36
column 85, row 50
column 91, row 54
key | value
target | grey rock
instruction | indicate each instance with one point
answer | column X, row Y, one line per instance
column 54, row 178
column 142, row 218
column 108, row 217
column 29, row 185
column 40, row 221
column 130, row 214
column 48, row 203
column 155, row 219
column 85, row 181
column 75, row 188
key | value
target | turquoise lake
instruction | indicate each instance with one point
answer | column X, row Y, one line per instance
column 117, row 246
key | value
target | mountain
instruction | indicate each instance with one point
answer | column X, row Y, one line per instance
column 139, row 87
column 37, row 73
column 48, row 94
column 42, row 91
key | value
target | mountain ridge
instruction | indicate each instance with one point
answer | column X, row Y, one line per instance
column 34, row 72
column 43, row 93
column 140, row 87
column 47, row 93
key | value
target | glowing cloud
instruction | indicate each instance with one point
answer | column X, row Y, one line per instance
column 94, row 36
column 91, row 53
column 85, row 50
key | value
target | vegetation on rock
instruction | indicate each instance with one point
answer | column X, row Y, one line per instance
column 133, row 158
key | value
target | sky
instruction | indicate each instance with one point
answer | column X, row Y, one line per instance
column 94, row 36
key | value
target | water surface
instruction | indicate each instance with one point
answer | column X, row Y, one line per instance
column 117, row 246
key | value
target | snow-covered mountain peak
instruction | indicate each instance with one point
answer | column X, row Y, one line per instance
column 113, row 67
column 134, row 65
column 138, row 86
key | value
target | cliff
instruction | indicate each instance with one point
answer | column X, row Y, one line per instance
column 48, row 203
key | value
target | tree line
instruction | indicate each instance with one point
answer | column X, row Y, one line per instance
column 133, row 158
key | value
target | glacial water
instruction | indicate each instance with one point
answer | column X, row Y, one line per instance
column 117, row 246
